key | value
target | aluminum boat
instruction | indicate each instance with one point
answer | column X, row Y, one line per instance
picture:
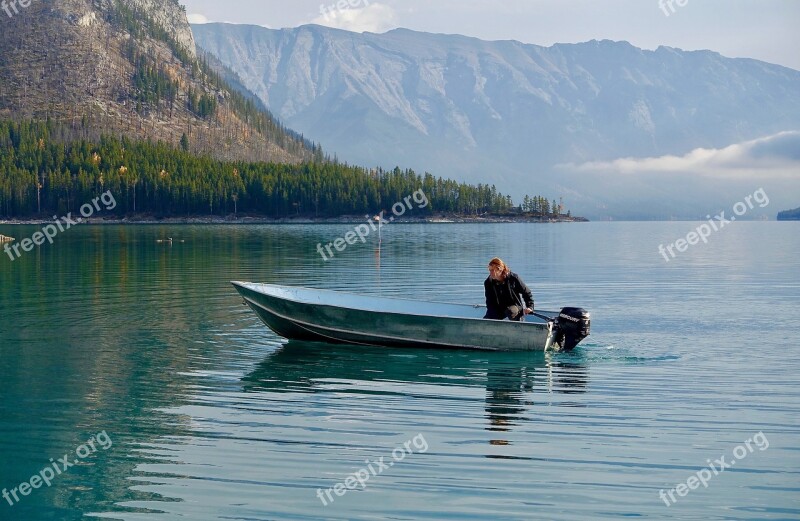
column 331, row 316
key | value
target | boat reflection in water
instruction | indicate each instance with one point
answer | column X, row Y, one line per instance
column 512, row 390
column 514, row 382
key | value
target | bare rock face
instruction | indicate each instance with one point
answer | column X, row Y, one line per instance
column 129, row 67
column 170, row 15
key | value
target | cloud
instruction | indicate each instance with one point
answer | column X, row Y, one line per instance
column 373, row 17
column 196, row 18
column 776, row 156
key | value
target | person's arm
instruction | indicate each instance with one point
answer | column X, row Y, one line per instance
column 487, row 291
column 526, row 293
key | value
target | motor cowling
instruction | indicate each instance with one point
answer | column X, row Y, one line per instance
column 573, row 326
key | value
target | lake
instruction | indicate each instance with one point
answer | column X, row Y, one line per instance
column 170, row 400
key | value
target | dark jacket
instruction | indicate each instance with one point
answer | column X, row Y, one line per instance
column 501, row 295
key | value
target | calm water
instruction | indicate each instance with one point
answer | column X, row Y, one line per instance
column 210, row 416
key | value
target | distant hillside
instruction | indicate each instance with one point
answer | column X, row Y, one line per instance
column 790, row 215
column 40, row 177
column 130, row 68
column 506, row 113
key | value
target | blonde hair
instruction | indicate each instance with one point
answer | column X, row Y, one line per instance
column 498, row 263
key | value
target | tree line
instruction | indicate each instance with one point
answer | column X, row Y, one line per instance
column 41, row 176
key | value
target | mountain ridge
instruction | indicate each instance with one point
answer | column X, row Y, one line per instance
column 503, row 112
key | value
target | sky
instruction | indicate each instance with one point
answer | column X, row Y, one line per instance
column 761, row 29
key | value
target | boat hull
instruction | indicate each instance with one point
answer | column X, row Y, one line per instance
column 304, row 314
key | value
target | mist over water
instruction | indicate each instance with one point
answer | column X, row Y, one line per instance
column 212, row 416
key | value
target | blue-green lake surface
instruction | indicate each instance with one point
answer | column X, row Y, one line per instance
column 196, row 411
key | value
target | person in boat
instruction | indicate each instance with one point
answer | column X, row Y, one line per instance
column 503, row 289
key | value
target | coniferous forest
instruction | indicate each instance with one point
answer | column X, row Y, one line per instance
column 41, row 175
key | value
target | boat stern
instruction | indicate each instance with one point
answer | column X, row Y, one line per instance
column 570, row 328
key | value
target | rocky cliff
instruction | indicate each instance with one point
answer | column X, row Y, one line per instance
column 169, row 15
column 130, row 67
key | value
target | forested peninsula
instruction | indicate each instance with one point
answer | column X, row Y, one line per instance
column 43, row 174
column 789, row 215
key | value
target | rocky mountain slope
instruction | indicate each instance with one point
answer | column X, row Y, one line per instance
column 502, row 112
column 130, row 67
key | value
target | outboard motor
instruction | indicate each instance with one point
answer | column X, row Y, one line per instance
column 572, row 325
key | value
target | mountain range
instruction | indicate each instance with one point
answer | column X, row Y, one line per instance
column 615, row 129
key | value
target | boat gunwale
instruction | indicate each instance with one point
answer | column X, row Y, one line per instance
column 244, row 285
column 307, row 325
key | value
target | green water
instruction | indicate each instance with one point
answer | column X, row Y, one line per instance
column 211, row 416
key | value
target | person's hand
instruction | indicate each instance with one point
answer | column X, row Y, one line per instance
column 528, row 311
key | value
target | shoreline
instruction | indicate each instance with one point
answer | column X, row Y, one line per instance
column 347, row 219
